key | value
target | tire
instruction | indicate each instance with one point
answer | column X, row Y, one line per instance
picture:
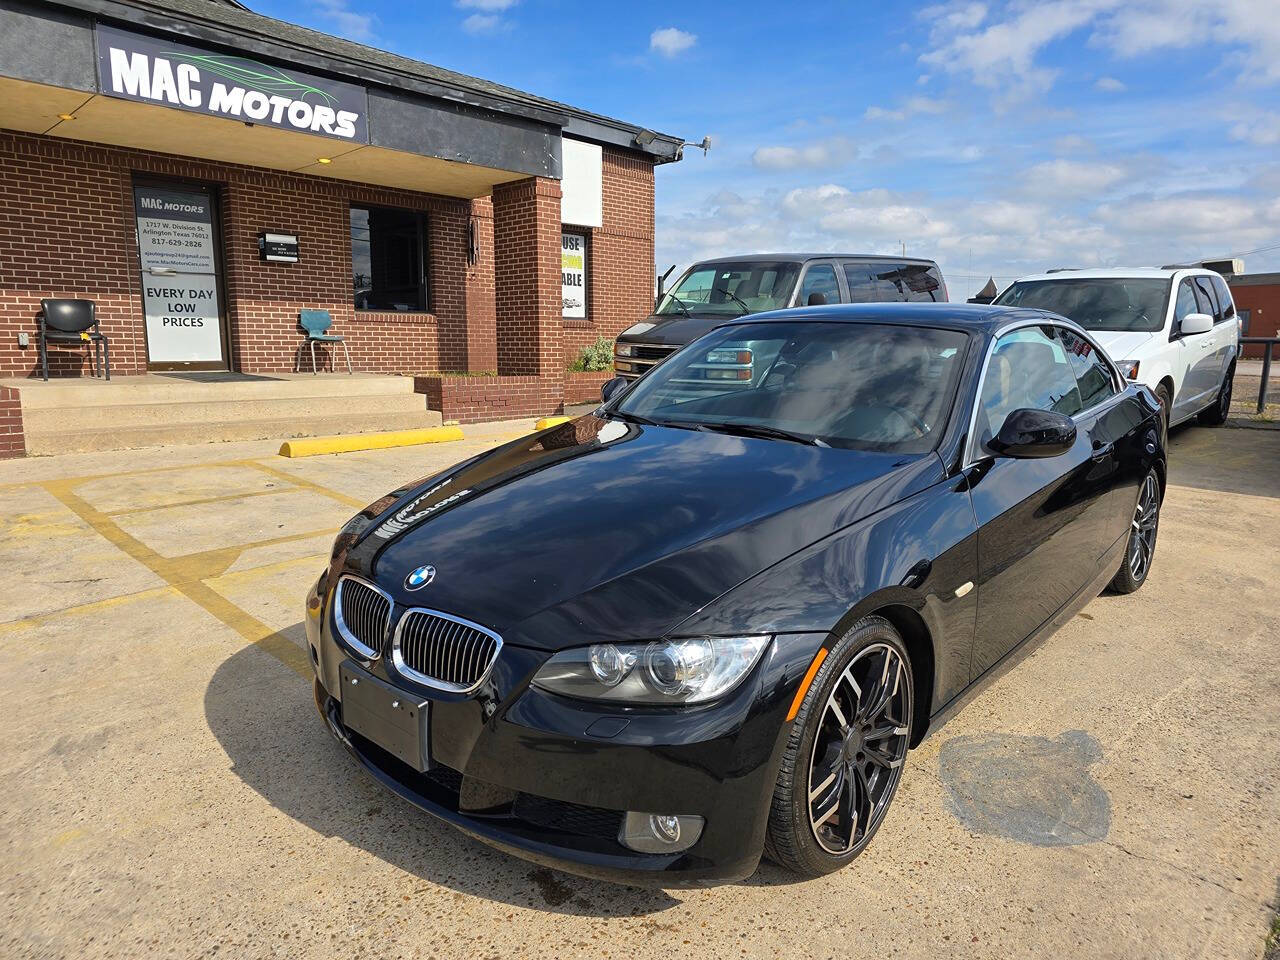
column 1217, row 414
column 1141, row 548
column 1166, row 407
column 866, row 769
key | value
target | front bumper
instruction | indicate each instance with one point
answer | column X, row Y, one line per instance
column 540, row 777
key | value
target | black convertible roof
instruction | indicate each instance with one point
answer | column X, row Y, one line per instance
column 976, row 316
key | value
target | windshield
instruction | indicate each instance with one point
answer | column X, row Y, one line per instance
column 855, row 385
column 732, row 289
column 1098, row 304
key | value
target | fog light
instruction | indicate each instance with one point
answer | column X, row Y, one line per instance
column 660, row 832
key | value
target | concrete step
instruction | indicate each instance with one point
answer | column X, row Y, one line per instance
column 87, row 392
column 83, row 440
column 122, row 416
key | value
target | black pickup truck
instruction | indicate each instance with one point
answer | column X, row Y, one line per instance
column 712, row 291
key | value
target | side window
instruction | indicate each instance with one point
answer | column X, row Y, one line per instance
column 866, row 286
column 1208, row 301
column 820, row 278
column 1093, row 376
column 1027, row 368
column 1185, row 304
column 1224, row 298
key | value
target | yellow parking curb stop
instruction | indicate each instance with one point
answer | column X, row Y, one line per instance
column 550, row 422
column 311, row 446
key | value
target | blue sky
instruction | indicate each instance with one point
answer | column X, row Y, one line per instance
column 997, row 138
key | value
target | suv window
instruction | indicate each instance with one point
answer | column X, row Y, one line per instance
column 1093, row 376
column 820, row 278
column 1224, row 297
column 1185, row 304
column 1027, row 368
column 865, row 286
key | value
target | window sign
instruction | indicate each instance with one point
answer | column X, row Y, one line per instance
column 179, row 275
column 137, row 67
column 573, row 274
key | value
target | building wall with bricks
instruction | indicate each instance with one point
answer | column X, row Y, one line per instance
column 69, row 231
column 1259, row 294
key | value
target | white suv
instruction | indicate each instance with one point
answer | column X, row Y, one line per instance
column 1173, row 329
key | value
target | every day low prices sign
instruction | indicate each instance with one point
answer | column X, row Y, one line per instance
column 179, row 274
column 573, row 274
column 137, row 67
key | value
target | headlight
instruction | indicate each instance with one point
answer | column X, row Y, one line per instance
column 624, row 350
column 1128, row 369
column 661, row 672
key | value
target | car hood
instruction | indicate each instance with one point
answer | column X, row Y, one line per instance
column 1121, row 344
column 673, row 331
column 597, row 529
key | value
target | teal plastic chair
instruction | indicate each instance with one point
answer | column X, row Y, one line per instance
column 315, row 324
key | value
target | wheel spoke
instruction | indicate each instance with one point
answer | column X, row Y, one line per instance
column 848, row 825
column 866, row 806
column 817, row 791
column 884, row 689
column 883, row 732
column 882, row 759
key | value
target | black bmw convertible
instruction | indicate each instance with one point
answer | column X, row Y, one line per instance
column 708, row 621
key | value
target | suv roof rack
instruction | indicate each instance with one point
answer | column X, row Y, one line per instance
column 1063, row 269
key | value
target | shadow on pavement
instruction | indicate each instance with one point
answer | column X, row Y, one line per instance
column 1226, row 459
column 266, row 721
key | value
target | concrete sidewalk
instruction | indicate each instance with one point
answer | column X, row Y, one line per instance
column 171, row 792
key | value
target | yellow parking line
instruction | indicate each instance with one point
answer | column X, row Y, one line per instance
column 201, row 501
column 106, row 603
column 305, row 483
column 184, row 574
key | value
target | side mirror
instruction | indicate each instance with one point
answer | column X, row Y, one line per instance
column 1196, row 323
column 611, row 388
column 817, row 300
column 1029, row 434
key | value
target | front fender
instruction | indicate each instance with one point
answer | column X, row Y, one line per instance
column 920, row 553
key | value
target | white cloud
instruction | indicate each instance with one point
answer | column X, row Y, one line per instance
column 487, row 18
column 671, row 41
column 1073, row 177
column 912, row 107
column 1261, row 130
column 831, row 152
column 1109, row 85
column 482, row 23
column 1000, row 49
column 352, row 24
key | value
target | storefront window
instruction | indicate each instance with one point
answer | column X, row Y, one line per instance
column 388, row 259
column 573, row 274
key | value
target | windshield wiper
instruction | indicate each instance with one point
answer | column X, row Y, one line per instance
column 684, row 307
column 632, row 418
column 758, row 430
column 739, row 301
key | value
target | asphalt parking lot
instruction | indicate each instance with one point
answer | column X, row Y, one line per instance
column 170, row 790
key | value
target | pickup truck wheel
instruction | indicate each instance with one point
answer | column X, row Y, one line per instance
column 1166, row 404
column 1216, row 415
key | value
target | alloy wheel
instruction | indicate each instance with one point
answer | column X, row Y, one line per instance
column 1143, row 537
column 859, row 749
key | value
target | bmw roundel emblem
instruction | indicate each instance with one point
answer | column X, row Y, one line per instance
column 419, row 578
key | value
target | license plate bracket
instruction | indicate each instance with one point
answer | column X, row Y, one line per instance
column 395, row 721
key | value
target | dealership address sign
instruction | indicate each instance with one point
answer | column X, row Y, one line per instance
column 137, row 67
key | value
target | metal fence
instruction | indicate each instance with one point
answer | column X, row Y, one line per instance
column 1266, row 365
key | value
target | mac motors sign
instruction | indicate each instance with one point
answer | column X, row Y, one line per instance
column 142, row 68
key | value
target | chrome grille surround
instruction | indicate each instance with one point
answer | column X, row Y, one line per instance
column 362, row 614
column 442, row 651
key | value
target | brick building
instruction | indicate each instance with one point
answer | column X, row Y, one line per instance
column 203, row 173
column 1257, row 297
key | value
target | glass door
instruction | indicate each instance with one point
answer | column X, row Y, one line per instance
column 181, row 276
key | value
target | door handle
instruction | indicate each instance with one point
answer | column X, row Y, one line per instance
column 1101, row 450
